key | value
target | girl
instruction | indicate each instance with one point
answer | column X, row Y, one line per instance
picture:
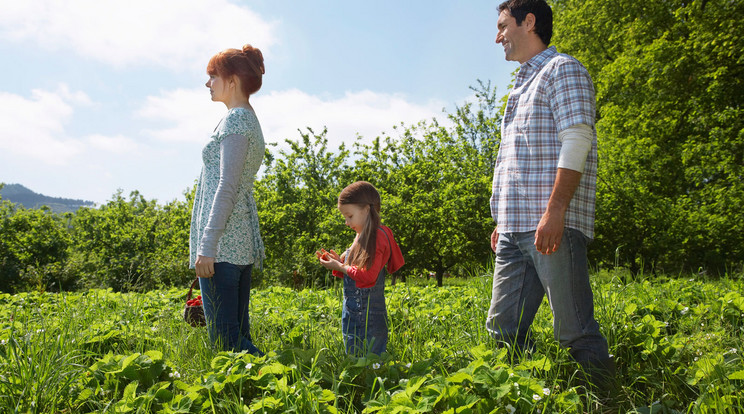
column 362, row 266
column 225, row 240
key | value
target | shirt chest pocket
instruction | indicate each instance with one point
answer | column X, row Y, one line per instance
column 532, row 109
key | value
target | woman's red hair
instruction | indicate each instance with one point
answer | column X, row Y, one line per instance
column 246, row 64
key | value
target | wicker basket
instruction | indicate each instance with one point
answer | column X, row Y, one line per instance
column 193, row 313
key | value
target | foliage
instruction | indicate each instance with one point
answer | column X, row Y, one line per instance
column 133, row 244
column 677, row 342
column 670, row 89
column 434, row 183
column 33, row 248
column 296, row 200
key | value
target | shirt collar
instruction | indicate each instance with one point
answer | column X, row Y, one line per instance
column 539, row 59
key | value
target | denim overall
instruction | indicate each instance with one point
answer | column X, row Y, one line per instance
column 364, row 316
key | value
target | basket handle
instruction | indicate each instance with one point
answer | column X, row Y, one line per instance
column 191, row 289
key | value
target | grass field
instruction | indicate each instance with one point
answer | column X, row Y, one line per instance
column 678, row 344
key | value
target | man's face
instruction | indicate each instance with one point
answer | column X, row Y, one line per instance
column 512, row 37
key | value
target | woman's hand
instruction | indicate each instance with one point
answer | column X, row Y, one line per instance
column 204, row 266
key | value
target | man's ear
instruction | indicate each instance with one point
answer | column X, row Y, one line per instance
column 529, row 22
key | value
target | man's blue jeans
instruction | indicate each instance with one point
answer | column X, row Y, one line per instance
column 522, row 276
column 226, row 297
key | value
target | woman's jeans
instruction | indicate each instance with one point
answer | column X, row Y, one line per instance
column 364, row 317
column 226, row 297
column 522, row 276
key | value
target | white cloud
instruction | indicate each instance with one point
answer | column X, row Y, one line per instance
column 190, row 116
column 189, row 113
column 366, row 113
column 35, row 127
column 169, row 33
column 118, row 144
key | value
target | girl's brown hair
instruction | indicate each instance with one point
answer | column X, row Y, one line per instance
column 246, row 64
column 362, row 193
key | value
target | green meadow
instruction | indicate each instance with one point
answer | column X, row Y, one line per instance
column 678, row 343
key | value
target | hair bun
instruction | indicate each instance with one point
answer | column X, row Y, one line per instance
column 255, row 54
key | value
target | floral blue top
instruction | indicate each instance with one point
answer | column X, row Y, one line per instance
column 224, row 220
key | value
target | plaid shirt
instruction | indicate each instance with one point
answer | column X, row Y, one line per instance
column 552, row 92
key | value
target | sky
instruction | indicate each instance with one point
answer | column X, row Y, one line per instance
column 98, row 96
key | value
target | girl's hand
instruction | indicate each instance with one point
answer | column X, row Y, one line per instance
column 330, row 260
column 204, row 266
column 333, row 255
column 323, row 254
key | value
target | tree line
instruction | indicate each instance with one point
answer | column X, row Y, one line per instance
column 670, row 85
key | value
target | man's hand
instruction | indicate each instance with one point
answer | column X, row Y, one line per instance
column 494, row 238
column 549, row 231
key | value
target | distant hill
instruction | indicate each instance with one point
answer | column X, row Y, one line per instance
column 19, row 194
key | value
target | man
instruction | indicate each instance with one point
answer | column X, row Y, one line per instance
column 543, row 195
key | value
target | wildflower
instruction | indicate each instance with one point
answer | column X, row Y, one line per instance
column 154, row 329
column 546, row 391
column 248, row 366
column 39, row 331
column 3, row 342
column 174, row 374
column 375, row 366
column 536, row 397
column 408, row 365
column 511, row 409
column 685, row 310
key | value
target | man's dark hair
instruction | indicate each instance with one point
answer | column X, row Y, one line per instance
column 540, row 8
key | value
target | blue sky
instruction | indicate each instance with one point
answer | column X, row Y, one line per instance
column 99, row 95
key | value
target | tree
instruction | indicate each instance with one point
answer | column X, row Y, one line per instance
column 296, row 198
column 33, row 249
column 132, row 244
column 434, row 183
column 435, row 186
column 670, row 85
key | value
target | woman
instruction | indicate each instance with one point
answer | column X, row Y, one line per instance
column 225, row 240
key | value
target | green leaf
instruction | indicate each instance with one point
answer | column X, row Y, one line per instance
column 738, row 375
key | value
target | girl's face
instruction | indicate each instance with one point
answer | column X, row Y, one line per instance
column 355, row 215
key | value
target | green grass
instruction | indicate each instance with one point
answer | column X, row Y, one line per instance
column 677, row 341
